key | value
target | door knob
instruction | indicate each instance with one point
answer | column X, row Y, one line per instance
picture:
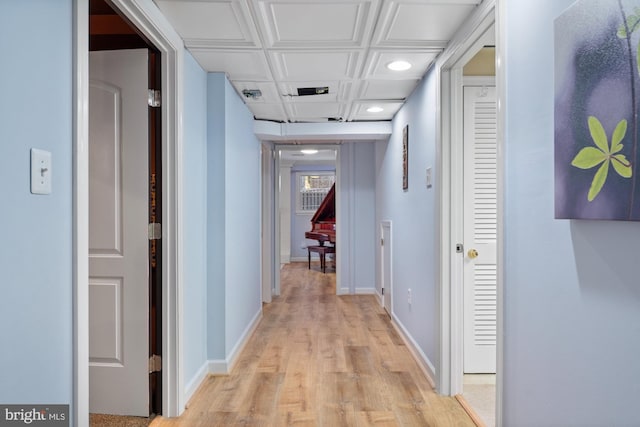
column 472, row 253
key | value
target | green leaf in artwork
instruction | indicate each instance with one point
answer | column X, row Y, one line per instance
column 588, row 157
column 632, row 24
column 618, row 134
column 621, row 165
column 598, row 134
column 598, row 181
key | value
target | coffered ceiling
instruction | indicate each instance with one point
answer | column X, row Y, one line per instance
column 279, row 46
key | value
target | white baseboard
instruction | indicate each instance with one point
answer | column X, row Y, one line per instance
column 235, row 352
column 224, row 367
column 195, row 383
column 423, row 361
column 365, row 291
column 299, row 259
column 380, row 298
column 343, row 291
column 218, row 367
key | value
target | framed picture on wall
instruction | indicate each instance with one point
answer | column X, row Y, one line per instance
column 597, row 132
column 405, row 158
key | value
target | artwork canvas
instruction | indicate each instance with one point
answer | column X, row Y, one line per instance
column 405, row 158
column 597, row 83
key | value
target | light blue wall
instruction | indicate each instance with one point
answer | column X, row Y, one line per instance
column 36, row 231
column 233, row 204
column 412, row 214
column 216, row 216
column 572, row 293
column 195, row 220
column 364, row 209
column 357, row 212
column 243, row 220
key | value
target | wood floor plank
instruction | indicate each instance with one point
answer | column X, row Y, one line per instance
column 318, row 359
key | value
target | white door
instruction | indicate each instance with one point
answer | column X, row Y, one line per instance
column 118, row 233
column 480, row 229
column 385, row 255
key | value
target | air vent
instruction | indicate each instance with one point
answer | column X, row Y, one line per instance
column 306, row 91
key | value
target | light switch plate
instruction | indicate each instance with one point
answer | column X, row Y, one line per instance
column 40, row 171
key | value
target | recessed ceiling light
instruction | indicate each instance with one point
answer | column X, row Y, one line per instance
column 375, row 109
column 308, row 151
column 399, row 65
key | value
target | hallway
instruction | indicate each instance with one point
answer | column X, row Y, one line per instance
column 317, row 359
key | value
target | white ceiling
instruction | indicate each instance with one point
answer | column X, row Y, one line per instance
column 277, row 46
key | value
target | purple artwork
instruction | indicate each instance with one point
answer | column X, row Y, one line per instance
column 597, row 79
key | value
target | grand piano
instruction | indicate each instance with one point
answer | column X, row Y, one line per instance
column 323, row 229
column 323, row 222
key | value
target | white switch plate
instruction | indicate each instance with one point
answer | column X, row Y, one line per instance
column 429, row 179
column 40, row 171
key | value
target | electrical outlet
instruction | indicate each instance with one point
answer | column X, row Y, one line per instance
column 409, row 296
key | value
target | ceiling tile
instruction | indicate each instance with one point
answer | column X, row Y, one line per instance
column 212, row 24
column 314, row 65
column 390, row 108
column 338, row 90
column 310, row 111
column 387, row 89
column 264, row 111
column 376, row 66
column 331, row 23
column 239, row 65
column 429, row 23
column 270, row 94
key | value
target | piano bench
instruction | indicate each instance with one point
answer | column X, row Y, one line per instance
column 322, row 251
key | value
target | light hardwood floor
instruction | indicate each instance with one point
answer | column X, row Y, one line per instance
column 318, row 359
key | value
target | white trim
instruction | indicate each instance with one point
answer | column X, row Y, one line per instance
column 366, row 291
column 449, row 65
column 423, row 361
column 80, row 190
column 224, row 367
column 218, row 367
column 478, row 81
column 343, row 291
column 192, row 386
column 152, row 23
column 232, row 357
column 386, row 223
column 501, row 92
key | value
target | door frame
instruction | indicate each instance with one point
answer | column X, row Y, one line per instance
column 462, row 48
column 276, row 207
column 386, row 248
column 150, row 21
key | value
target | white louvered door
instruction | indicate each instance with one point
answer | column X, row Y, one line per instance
column 480, row 229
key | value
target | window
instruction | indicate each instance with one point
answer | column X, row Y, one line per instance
column 312, row 189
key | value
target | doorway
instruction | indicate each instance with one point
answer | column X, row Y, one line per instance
column 293, row 208
column 386, row 257
column 125, row 199
column 457, row 252
column 152, row 27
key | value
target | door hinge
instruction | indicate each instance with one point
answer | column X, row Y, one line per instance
column 155, row 231
column 382, row 291
column 155, row 100
column 381, row 242
column 155, row 363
